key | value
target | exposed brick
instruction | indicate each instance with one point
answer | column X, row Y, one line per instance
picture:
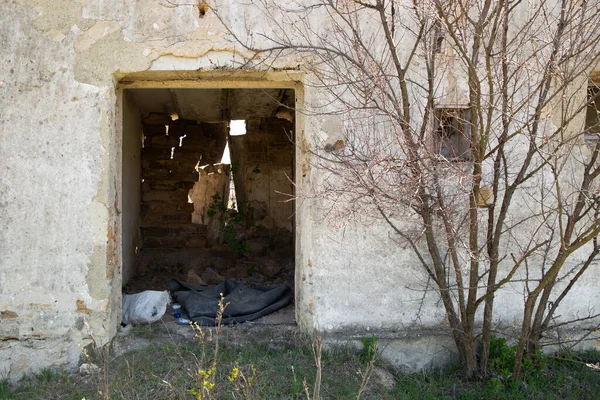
column 149, row 185
column 168, row 242
column 169, row 218
column 165, row 195
column 197, row 242
column 182, row 153
column 181, row 230
column 180, row 165
column 157, row 119
column 154, row 130
column 162, row 141
column 155, row 231
column 170, row 175
column 167, row 207
column 156, row 153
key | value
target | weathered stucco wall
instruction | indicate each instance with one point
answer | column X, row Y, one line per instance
column 61, row 147
column 61, row 203
column 262, row 161
column 56, row 196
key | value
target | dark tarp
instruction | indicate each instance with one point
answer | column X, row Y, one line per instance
column 201, row 303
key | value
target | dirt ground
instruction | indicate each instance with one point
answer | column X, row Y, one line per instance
column 156, row 267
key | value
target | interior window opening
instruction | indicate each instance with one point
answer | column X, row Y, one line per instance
column 226, row 159
column 237, row 128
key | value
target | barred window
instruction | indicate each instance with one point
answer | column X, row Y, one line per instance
column 452, row 135
column 592, row 117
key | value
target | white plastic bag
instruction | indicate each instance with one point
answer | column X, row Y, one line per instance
column 145, row 307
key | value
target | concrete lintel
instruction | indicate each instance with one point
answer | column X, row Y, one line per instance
column 283, row 79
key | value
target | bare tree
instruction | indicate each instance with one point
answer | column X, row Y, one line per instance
column 463, row 131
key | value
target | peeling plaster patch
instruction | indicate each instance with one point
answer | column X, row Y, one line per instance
column 96, row 274
column 177, row 22
column 115, row 10
column 209, row 61
column 98, row 215
column 56, row 35
column 82, row 308
column 6, row 314
column 19, row 356
column 452, row 89
column 332, row 126
column 57, row 15
column 100, row 30
column 109, row 54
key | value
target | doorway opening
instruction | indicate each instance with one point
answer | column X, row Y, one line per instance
column 208, row 187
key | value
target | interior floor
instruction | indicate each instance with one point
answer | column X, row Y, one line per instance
column 155, row 267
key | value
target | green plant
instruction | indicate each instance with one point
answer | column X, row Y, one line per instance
column 206, row 373
column 502, row 357
column 5, row 390
column 242, row 382
column 502, row 360
column 297, row 384
column 369, row 349
column 216, row 206
column 98, row 357
column 368, row 358
column 167, row 370
column 233, row 223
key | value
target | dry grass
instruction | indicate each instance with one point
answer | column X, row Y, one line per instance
column 280, row 361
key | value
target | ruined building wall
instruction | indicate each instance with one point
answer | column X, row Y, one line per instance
column 60, row 236
column 213, row 181
column 171, row 158
column 64, row 69
column 262, row 163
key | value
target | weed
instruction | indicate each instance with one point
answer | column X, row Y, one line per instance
column 207, row 372
column 368, row 358
column 274, row 364
column 5, row 389
column 233, row 224
column 242, row 382
column 502, row 361
column 317, row 348
column 98, row 357
column 369, row 349
column 297, row 384
column 48, row 375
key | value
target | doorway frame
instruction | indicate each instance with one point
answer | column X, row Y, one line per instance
column 284, row 79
